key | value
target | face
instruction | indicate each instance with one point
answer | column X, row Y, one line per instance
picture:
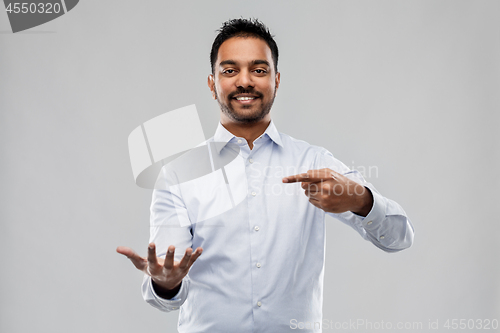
column 244, row 81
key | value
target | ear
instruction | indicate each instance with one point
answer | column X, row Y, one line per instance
column 277, row 82
column 211, row 85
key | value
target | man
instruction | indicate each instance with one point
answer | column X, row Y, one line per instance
column 263, row 260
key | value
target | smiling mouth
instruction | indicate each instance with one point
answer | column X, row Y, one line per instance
column 245, row 98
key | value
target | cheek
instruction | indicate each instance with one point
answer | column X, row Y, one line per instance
column 269, row 87
column 270, row 93
column 222, row 89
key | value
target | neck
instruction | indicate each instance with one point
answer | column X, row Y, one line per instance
column 249, row 132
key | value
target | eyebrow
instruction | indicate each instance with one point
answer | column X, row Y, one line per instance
column 254, row 62
column 261, row 62
column 227, row 62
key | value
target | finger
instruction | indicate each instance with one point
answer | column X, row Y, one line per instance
column 196, row 254
column 126, row 251
column 314, row 199
column 169, row 258
column 315, row 202
column 138, row 261
column 185, row 260
column 152, row 259
column 305, row 185
column 304, row 177
column 312, row 194
column 312, row 187
column 308, row 184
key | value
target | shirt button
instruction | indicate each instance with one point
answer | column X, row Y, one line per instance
column 370, row 222
column 254, row 194
column 382, row 237
column 259, row 303
column 258, row 265
column 257, row 228
column 250, row 160
column 239, row 141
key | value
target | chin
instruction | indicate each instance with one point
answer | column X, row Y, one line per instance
column 248, row 118
column 245, row 114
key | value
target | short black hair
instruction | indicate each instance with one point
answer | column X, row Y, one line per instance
column 243, row 28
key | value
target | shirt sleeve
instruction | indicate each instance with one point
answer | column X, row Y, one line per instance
column 386, row 225
column 163, row 304
column 169, row 225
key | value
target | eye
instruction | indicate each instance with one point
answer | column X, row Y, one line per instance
column 260, row 71
column 228, row 71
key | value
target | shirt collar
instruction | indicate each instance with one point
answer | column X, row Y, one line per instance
column 222, row 136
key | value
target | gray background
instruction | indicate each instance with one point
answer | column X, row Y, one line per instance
column 408, row 87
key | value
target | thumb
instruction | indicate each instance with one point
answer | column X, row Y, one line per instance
column 139, row 262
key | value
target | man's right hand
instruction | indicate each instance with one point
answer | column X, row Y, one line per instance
column 167, row 274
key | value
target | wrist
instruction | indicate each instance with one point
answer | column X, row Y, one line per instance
column 364, row 201
column 166, row 293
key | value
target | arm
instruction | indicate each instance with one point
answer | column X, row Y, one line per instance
column 346, row 196
column 166, row 283
column 169, row 229
column 386, row 225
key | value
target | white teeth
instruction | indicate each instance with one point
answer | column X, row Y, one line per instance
column 244, row 98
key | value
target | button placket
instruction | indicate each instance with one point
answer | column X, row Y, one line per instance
column 254, row 176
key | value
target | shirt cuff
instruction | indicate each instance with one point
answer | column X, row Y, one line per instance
column 165, row 304
column 376, row 215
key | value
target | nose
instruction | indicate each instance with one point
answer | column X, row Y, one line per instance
column 244, row 79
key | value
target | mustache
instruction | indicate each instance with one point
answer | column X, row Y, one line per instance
column 245, row 91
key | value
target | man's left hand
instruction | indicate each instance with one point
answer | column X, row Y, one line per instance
column 333, row 192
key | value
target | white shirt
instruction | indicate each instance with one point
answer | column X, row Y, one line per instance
column 264, row 247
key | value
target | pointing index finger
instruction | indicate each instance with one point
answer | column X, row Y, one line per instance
column 303, row 177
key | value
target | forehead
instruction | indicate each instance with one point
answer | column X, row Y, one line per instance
column 244, row 50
